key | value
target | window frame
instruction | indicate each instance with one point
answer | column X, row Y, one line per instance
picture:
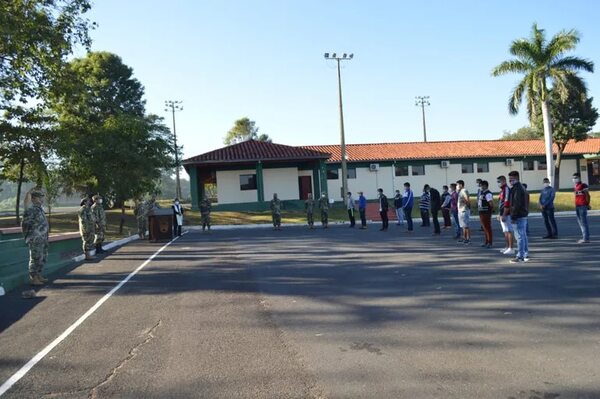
column 468, row 165
column 252, row 179
column 398, row 167
column 332, row 171
column 527, row 163
column 487, row 167
column 412, row 171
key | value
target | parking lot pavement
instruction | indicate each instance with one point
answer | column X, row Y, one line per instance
column 322, row 313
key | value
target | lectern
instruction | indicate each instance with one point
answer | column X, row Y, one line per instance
column 160, row 224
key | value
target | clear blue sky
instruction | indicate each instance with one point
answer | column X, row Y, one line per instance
column 264, row 60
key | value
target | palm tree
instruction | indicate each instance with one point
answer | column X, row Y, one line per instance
column 542, row 61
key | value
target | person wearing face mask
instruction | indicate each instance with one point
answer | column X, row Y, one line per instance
column 177, row 217
column 324, row 208
column 100, row 221
column 546, row 202
column 582, row 206
column 424, row 206
column 383, row 209
column 504, row 215
column 408, row 200
column 398, row 206
column 454, row 210
column 35, row 232
column 464, row 212
column 350, row 204
column 362, row 210
column 446, row 205
column 518, row 216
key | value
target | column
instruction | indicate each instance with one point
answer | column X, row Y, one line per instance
column 194, row 187
column 260, row 191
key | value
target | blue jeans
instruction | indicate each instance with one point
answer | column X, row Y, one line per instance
column 520, row 229
column 581, row 212
column 408, row 217
column 457, row 228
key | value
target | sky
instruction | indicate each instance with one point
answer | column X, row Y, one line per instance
column 263, row 59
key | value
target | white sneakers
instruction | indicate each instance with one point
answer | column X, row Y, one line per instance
column 508, row 251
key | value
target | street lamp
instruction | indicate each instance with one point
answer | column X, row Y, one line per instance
column 172, row 106
column 422, row 101
column 338, row 58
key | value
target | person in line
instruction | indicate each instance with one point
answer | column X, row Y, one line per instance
column 582, row 206
column 100, row 220
column 464, row 212
column 177, row 217
column 350, row 204
column 454, row 211
column 324, row 208
column 518, row 216
column 309, row 208
column 485, row 205
column 142, row 218
column 546, row 202
column 408, row 200
column 446, row 200
column 35, row 232
column 398, row 206
column 527, row 199
column 86, row 227
column 424, row 205
column 383, row 209
column 205, row 213
column 362, row 210
column 436, row 204
column 276, row 212
column 504, row 216
column 478, row 184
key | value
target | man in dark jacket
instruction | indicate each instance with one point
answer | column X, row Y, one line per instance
column 383, row 209
column 436, row 205
column 518, row 215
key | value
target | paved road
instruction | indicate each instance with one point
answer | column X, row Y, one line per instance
column 332, row 313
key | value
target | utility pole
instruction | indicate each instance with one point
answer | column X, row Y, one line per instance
column 338, row 58
column 172, row 106
column 422, row 101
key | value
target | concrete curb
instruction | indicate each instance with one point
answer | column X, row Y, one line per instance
column 111, row 245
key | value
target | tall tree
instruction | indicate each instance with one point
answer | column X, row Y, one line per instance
column 544, row 62
column 523, row 133
column 572, row 119
column 244, row 129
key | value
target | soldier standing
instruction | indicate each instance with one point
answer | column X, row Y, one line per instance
column 276, row 212
column 86, row 227
column 141, row 218
column 177, row 217
column 35, row 231
column 100, row 222
column 309, row 207
column 324, row 207
column 205, row 213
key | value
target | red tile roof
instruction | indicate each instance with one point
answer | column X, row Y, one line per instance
column 451, row 150
column 253, row 150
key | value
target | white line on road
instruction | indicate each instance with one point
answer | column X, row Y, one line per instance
column 25, row 369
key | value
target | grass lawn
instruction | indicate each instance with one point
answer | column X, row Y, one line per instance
column 68, row 222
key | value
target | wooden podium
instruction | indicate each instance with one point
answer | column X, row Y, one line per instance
column 160, row 225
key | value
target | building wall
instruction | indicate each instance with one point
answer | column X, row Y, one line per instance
column 228, row 187
column 283, row 181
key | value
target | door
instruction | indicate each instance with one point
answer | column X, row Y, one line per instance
column 593, row 168
column 305, row 186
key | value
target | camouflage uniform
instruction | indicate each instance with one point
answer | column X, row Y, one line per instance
column 100, row 219
column 142, row 218
column 35, row 231
column 276, row 212
column 205, row 213
column 309, row 206
column 324, row 206
column 86, row 227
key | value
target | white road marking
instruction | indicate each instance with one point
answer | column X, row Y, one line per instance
column 25, row 369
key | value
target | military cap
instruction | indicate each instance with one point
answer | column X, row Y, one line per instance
column 37, row 193
column 96, row 197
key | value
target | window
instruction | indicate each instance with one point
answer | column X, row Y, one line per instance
column 247, row 182
column 483, row 167
column 351, row 173
column 528, row 165
column 542, row 165
column 333, row 174
column 401, row 170
column 467, row 168
column 418, row 170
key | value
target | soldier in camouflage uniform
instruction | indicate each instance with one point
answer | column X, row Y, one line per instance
column 276, row 212
column 309, row 207
column 205, row 213
column 100, row 225
column 142, row 219
column 87, row 225
column 324, row 207
column 35, row 231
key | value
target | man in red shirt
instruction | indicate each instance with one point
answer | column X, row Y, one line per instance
column 582, row 205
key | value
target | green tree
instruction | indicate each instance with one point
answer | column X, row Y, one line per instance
column 572, row 119
column 35, row 38
column 523, row 133
column 544, row 63
column 244, row 129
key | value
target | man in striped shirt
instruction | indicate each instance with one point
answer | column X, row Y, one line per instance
column 504, row 215
column 424, row 205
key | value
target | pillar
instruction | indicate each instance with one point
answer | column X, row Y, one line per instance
column 260, row 191
column 195, row 189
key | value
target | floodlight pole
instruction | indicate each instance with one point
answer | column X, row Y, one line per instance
column 173, row 106
column 338, row 59
column 422, row 101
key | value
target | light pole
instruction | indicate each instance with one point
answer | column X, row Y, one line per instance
column 338, row 58
column 422, row 101
column 172, row 106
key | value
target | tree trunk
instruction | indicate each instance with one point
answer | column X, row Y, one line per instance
column 19, row 185
column 559, row 152
column 548, row 140
column 122, row 222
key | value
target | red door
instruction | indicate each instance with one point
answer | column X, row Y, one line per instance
column 305, row 185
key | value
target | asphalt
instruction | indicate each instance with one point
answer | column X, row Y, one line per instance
column 336, row 313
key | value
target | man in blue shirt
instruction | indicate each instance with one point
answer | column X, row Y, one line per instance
column 362, row 209
column 407, row 205
column 547, row 206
